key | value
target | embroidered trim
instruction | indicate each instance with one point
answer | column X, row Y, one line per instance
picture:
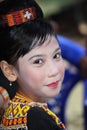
column 16, row 113
column 18, row 17
column 16, row 121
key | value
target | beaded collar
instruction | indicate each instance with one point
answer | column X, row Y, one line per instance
column 23, row 104
column 23, row 99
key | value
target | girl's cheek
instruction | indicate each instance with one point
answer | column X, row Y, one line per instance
column 37, row 77
column 62, row 68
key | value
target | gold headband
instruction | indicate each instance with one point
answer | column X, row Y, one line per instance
column 18, row 17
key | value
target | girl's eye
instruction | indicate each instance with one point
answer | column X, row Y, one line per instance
column 57, row 55
column 38, row 61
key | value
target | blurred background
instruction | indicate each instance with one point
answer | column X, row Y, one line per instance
column 69, row 19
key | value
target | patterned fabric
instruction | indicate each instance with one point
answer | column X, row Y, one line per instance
column 15, row 116
column 18, row 17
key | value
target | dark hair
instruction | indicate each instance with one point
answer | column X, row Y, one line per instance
column 18, row 40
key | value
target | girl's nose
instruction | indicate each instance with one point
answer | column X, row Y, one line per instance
column 53, row 69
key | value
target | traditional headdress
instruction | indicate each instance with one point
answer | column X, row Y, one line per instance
column 18, row 17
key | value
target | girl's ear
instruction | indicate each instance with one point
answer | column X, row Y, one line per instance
column 8, row 70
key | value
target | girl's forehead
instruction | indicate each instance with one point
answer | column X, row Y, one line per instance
column 49, row 41
column 49, row 45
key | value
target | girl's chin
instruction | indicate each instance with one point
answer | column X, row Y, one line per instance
column 55, row 94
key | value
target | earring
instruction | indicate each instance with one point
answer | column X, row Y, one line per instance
column 10, row 84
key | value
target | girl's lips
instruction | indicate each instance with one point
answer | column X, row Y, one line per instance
column 53, row 85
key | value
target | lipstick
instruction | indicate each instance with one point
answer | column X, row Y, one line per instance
column 53, row 85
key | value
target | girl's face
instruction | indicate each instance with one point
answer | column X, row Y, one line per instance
column 40, row 72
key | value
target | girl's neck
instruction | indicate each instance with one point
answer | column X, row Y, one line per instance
column 31, row 98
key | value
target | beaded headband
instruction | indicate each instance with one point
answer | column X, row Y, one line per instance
column 18, row 17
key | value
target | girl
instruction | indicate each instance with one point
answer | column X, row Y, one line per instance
column 30, row 56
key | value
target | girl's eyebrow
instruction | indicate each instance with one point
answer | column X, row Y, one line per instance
column 57, row 49
column 34, row 56
column 40, row 55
